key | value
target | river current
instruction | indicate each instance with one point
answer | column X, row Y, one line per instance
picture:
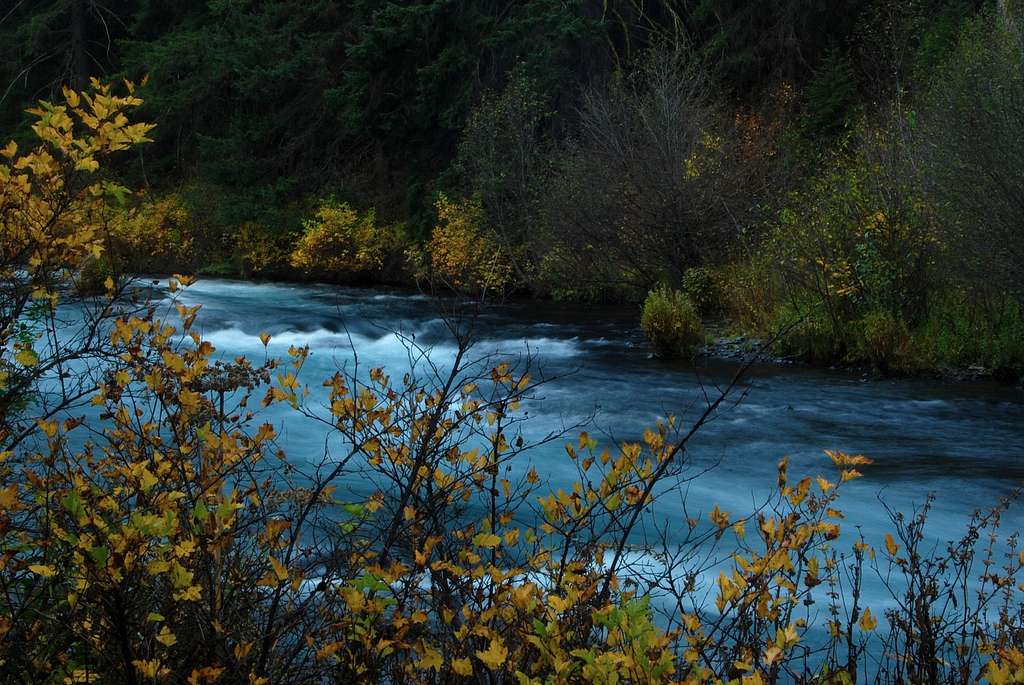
column 964, row 442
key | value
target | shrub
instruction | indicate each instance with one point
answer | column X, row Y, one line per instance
column 809, row 336
column 671, row 323
column 884, row 340
column 261, row 250
column 749, row 293
column 972, row 154
column 462, row 255
column 642, row 189
column 963, row 330
column 52, row 209
column 91, row 278
column 699, row 285
column 858, row 238
column 172, row 539
column 557, row 276
column 340, row 243
column 154, row 234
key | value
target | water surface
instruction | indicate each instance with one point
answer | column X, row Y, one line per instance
column 962, row 441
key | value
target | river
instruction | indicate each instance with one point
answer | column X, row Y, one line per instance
column 962, row 441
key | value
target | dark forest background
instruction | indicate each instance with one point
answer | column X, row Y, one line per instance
column 854, row 165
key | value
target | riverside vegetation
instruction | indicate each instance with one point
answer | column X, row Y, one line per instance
column 847, row 172
column 168, row 538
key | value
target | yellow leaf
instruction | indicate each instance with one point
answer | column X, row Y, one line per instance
column 279, row 569
column 9, row 497
column 867, row 622
column 71, row 97
column 87, row 164
column 432, row 659
column 720, row 518
column 147, row 480
column 264, row 338
column 486, row 540
column 184, row 548
column 890, row 545
column 242, row 650
column 26, row 357
column 739, row 529
column 210, row 674
column 495, row 655
column 44, row 571
column 462, row 666
column 148, row 669
column 166, row 637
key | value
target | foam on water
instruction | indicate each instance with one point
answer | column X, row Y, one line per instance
column 966, row 443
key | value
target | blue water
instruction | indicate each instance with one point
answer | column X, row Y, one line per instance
column 962, row 441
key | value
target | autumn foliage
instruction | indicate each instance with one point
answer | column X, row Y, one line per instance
column 169, row 538
column 341, row 243
column 461, row 254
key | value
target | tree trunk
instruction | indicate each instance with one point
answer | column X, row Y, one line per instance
column 79, row 53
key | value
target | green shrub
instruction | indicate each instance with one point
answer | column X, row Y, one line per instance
column 748, row 295
column 671, row 323
column 92, row 277
column 699, row 285
column 222, row 268
column 814, row 338
column 884, row 340
column 962, row 331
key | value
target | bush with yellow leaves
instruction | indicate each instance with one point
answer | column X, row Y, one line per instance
column 461, row 254
column 260, row 250
column 53, row 205
column 154, row 234
column 341, row 244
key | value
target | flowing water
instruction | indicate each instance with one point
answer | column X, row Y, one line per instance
column 962, row 441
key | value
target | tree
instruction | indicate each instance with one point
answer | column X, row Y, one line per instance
column 46, row 44
column 52, row 200
column 652, row 184
column 971, row 154
column 505, row 154
column 756, row 44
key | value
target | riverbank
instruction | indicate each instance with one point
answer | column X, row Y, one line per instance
column 723, row 344
column 726, row 339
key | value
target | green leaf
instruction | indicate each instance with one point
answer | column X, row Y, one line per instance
column 354, row 509
column 586, row 654
column 73, row 503
column 368, row 581
column 99, row 555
